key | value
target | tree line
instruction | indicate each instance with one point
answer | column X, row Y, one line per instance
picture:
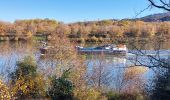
column 92, row 31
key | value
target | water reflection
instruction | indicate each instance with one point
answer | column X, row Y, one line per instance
column 110, row 72
column 105, row 71
column 108, row 59
column 10, row 52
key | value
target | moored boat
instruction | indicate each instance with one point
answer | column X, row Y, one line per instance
column 105, row 49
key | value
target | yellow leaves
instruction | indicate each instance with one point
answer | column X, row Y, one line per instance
column 27, row 86
column 139, row 23
column 106, row 22
column 29, row 33
column 26, row 81
column 133, row 72
column 4, row 92
column 87, row 94
column 133, row 79
column 19, row 85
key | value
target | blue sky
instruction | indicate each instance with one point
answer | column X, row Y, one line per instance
column 73, row 10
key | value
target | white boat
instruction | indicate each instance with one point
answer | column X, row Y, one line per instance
column 105, row 49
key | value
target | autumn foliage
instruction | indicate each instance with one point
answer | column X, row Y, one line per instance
column 94, row 31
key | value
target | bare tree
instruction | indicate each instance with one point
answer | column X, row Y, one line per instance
column 162, row 4
column 155, row 59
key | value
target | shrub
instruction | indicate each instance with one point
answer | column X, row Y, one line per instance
column 25, row 68
column 85, row 93
column 113, row 96
column 161, row 88
column 124, row 96
column 61, row 88
column 26, row 82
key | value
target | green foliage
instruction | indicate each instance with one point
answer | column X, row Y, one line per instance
column 85, row 93
column 26, row 82
column 61, row 88
column 25, row 68
column 39, row 38
column 106, row 22
column 124, row 96
column 113, row 96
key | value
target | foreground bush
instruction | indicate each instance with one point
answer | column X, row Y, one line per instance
column 61, row 88
column 26, row 82
column 161, row 88
column 85, row 93
column 124, row 96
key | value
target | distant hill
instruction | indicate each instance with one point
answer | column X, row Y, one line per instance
column 160, row 17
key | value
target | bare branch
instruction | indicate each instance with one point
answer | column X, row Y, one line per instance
column 163, row 5
column 149, row 6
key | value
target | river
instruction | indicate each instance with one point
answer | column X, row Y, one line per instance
column 112, row 67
